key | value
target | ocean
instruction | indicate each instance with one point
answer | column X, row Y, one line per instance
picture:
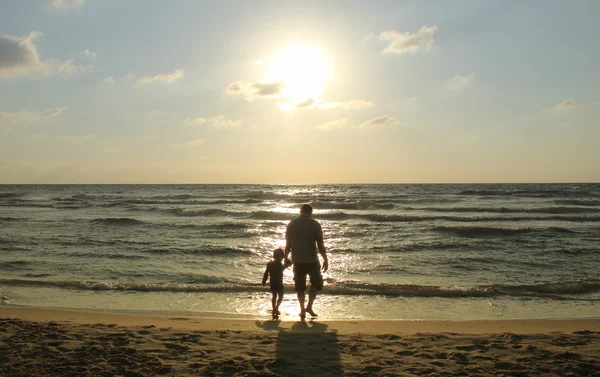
column 402, row 251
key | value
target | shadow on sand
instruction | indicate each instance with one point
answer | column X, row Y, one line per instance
column 306, row 349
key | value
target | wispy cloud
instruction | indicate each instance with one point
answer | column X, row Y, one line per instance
column 383, row 120
column 66, row 4
column 567, row 104
column 161, row 77
column 312, row 104
column 250, row 91
column 350, row 105
column 89, row 54
column 109, row 80
column 19, row 57
column 332, row 124
column 400, row 43
column 219, row 121
column 28, row 116
column 460, row 82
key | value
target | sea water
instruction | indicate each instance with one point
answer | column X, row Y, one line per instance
column 479, row 251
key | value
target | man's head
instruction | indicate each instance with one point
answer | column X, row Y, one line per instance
column 306, row 209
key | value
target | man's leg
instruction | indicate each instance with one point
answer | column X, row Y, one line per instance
column 312, row 295
column 316, row 284
column 300, row 287
column 301, row 298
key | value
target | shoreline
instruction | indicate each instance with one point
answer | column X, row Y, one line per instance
column 495, row 326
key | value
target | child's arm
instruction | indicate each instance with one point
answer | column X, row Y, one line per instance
column 287, row 263
column 266, row 275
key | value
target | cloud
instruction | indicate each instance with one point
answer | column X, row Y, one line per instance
column 383, row 120
column 28, row 116
column 66, row 4
column 332, row 124
column 235, row 87
column 52, row 112
column 163, row 77
column 194, row 121
column 567, row 104
column 460, row 82
column 405, row 42
column 273, row 89
column 109, row 80
column 350, row 105
column 312, row 104
column 307, row 104
column 89, row 54
column 194, row 143
column 219, row 121
column 67, row 68
column 267, row 89
column 19, row 56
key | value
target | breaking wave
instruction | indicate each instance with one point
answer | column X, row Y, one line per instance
column 473, row 231
column 118, row 221
column 558, row 291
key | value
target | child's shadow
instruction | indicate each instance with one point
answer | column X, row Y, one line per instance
column 304, row 350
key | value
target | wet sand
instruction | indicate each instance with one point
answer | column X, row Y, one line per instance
column 45, row 342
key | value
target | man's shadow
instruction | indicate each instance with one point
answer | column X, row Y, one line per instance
column 307, row 349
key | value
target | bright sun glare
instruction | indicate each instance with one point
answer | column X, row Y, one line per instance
column 303, row 69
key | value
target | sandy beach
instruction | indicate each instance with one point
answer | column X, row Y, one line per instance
column 46, row 342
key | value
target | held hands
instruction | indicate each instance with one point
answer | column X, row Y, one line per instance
column 287, row 263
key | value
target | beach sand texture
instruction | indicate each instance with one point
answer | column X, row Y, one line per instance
column 41, row 342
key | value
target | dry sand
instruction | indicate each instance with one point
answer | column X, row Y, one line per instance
column 44, row 342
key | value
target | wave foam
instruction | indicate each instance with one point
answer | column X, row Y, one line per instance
column 556, row 291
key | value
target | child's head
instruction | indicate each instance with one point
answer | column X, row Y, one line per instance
column 278, row 254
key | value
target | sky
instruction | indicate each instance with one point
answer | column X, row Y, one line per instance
column 282, row 92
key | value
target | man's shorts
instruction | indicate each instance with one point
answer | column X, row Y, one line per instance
column 313, row 270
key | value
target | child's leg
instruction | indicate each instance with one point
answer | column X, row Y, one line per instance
column 279, row 300
column 274, row 301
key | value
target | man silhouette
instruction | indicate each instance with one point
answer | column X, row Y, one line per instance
column 302, row 238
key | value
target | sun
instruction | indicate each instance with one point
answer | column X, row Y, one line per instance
column 304, row 71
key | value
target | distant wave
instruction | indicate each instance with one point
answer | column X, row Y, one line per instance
column 10, row 219
column 543, row 210
column 14, row 265
column 118, row 221
column 558, row 291
column 578, row 202
column 207, row 250
column 9, row 195
column 357, row 205
column 200, row 212
column 91, row 254
column 472, row 231
column 342, row 216
column 533, row 193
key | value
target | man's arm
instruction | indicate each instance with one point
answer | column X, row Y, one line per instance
column 323, row 253
column 288, row 243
